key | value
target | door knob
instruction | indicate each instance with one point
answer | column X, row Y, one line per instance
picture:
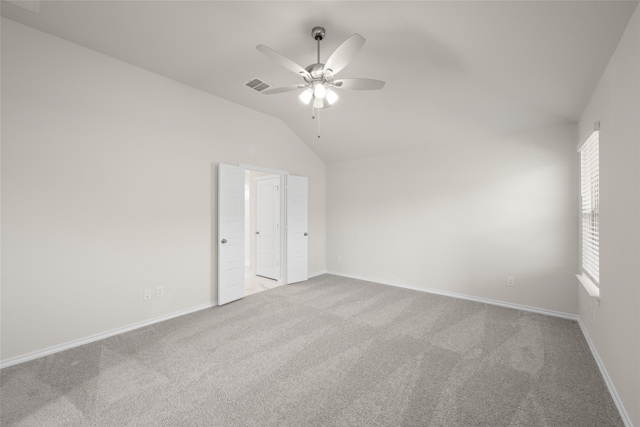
column 257, row 232
column 224, row 241
column 306, row 234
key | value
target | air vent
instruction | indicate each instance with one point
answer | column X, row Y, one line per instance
column 257, row 84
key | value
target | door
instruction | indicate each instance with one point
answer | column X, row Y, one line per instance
column 230, row 233
column 268, row 227
column 297, row 233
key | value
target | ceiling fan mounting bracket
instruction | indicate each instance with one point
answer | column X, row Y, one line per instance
column 318, row 33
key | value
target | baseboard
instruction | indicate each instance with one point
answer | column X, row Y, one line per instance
column 317, row 273
column 75, row 343
column 463, row 296
column 612, row 390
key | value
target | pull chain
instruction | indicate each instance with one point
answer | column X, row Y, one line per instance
column 315, row 114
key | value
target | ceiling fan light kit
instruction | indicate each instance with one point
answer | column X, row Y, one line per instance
column 306, row 95
column 319, row 78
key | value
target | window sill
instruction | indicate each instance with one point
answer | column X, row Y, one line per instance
column 589, row 286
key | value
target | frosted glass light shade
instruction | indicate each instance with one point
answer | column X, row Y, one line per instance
column 306, row 96
column 319, row 91
column 331, row 97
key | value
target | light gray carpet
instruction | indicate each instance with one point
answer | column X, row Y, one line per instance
column 327, row 352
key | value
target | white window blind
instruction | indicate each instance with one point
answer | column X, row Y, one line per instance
column 590, row 192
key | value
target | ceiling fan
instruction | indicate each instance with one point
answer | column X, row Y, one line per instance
column 320, row 79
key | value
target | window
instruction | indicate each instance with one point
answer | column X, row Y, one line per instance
column 590, row 206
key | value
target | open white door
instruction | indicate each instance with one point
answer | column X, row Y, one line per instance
column 268, row 227
column 297, row 233
column 230, row 233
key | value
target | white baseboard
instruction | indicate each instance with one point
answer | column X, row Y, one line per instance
column 86, row 340
column 612, row 390
column 75, row 343
column 317, row 273
column 463, row 296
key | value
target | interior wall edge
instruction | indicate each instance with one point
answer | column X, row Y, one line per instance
column 317, row 273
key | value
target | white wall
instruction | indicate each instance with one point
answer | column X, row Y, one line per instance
column 461, row 218
column 614, row 326
column 108, row 188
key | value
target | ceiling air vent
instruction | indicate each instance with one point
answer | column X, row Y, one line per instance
column 257, row 84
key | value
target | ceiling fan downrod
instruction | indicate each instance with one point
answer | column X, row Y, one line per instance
column 318, row 34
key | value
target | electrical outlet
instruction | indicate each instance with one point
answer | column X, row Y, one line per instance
column 159, row 291
column 147, row 294
column 511, row 281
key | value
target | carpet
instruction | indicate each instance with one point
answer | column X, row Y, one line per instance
column 331, row 351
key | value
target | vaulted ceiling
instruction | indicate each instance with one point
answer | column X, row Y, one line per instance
column 455, row 71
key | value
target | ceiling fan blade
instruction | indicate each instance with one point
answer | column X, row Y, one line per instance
column 283, row 60
column 358, row 84
column 281, row 89
column 341, row 57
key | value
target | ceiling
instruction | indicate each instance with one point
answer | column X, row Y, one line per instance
column 455, row 71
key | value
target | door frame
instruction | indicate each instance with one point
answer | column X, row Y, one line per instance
column 283, row 214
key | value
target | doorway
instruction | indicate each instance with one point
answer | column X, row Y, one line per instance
column 263, row 231
column 232, row 237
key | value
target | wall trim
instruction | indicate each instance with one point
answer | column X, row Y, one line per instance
column 605, row 375
column 100, row 336
column 317, row 273
column 553, row 313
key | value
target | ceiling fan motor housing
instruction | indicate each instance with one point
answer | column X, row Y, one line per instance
column 315, row 70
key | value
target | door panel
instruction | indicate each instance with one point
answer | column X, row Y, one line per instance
column 230, row 233
column 297, row 232
column 268, row 227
